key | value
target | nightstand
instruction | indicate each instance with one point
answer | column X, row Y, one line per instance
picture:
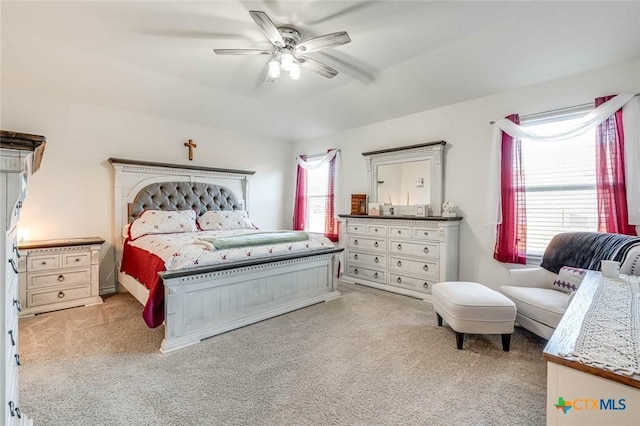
column 58, row 274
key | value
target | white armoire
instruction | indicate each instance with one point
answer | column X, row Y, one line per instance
column 20, row 156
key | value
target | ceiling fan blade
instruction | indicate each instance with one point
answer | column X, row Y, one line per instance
column 323, row 42
column 267, row 27
column 242, row 52
column 317, row 66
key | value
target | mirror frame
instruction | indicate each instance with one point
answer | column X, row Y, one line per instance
column 433, row 151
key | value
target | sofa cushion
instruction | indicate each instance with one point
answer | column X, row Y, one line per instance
column 540, row 304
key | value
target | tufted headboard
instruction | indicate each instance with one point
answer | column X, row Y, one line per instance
column 199, row 196
column 143, row 185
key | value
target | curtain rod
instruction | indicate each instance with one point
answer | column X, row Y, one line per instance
column 552, row 111
column 321, row 154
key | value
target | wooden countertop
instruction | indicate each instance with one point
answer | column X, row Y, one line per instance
column 564, row 338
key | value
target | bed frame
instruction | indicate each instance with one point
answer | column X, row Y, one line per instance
column 206, row 301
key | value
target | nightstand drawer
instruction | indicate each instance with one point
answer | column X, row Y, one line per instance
column 58, row 278
column 58, row 295
column 72, row 260
column 43, row 262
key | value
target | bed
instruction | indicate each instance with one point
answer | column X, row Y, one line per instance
column 201, row 301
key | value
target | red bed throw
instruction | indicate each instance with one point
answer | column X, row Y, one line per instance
column 144, row 267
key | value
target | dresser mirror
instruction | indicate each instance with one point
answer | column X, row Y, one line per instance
column 407, row 178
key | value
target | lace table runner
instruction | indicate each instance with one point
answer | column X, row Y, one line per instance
column 610, row 334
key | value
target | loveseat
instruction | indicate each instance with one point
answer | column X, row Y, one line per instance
column 540, row 305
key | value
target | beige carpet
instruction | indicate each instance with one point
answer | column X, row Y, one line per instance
column 368, row 358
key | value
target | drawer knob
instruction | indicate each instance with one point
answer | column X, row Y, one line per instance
column 13, row 265
column 426, row 233
column 19, row 205
column 15, row 248
column 77, row 259
column 399, row 246
column 399, row 280
column 12, row 408
column 60, row 294
column 375, row 244
column 356, row 228
column 60, row 277
column 17, row 304
column 425, row 285
column 17, row 359
column 355, row 256
column 375, row 230
column 355, row 242
column 13, row 340
column 399, row 231
column 355, row 271
column 375, row 275
column 376, row 259
column 18, row 413
column 44, row 262
column 426, row 250
column 425, row 267
column 399, row 263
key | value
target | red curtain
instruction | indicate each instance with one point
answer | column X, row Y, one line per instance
column 300, row 203
column 511, row 239
column 613, row 216
column 330, row 222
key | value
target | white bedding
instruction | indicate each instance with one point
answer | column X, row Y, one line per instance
column 184, row 251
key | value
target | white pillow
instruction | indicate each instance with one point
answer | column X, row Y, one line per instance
column 222, row 220
column 569, row 279
column 163, row 222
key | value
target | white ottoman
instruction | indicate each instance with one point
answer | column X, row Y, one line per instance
column 473, row 308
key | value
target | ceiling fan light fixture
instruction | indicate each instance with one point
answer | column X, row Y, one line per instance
column 294, row 72
column 287, row 60
column 274, row 68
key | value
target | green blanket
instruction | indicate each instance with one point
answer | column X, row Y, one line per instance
column 257, row 239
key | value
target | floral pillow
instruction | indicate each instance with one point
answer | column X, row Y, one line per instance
column 569, row 279
column 163, row 222
column 222, row 220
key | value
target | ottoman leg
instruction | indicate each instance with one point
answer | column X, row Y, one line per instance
column 459, row 339
column 506, row 340
column 439, row 319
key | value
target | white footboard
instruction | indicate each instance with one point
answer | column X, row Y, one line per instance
column 210, row 303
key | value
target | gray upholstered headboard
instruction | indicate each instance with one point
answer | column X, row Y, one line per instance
column 198, row 196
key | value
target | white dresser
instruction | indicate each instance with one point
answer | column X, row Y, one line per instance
column 402, row 254
column 20, row 155
column 58, row 274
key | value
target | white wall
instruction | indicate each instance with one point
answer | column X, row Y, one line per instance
column 465, row 127
column 72, row 196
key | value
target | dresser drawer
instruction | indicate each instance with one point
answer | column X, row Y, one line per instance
column 356, row 228
column 426, row 249
column 72, row 260
column 370, row 244
column 415, row 267
column 400, row 231
column 43, row 262
column 58, row 278
column 367, row 258
column 367, row 274
column 411, row 283
column 428, row 233
column 58, row 295
column 377, row 230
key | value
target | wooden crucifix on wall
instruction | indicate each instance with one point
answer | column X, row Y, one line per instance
column 191, row 145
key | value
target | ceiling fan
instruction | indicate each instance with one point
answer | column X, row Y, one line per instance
column 288, row 51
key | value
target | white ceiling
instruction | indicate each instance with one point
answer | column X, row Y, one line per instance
column 405, row 56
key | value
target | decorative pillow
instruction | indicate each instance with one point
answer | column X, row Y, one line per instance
column 163, row 222
column 222, row 220
column 569, row 279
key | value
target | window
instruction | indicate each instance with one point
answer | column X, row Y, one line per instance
column 560, row 183
column 314, row 209
column 317, row 191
